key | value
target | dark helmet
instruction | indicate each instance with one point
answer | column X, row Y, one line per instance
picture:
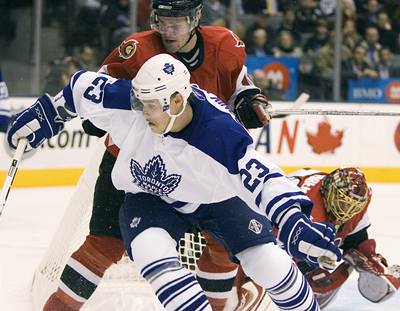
column 177, row 8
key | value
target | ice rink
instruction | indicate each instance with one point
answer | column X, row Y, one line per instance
column 32, row 216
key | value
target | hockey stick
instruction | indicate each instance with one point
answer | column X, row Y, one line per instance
column 336, row 112
column 11, row 172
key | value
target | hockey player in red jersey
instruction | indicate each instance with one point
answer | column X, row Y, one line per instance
column 342, row 199
column 215, row 57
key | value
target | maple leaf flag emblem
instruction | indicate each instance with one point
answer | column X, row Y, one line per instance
column 153, row 177
column 325, row 140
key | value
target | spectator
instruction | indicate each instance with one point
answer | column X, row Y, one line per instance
column 289, row 23
column 349, row 11
column 59, row 74
column 372, row 45
column 286, row 46
column 386, row 68
column 387, row 37
column 259, row 43
column 307, row 16
column 86, row 28
column 324, row 66
column 86, row 58
column 260, row 21
column 369, row 17
column 212, row 10
column 117, row 21
column 351, row 37
column 319, row 39
column 356, row 67
column 8, row 25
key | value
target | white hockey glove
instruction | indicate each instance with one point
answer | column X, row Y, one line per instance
column 307, row 240
column 377, row 281
column 44, row 119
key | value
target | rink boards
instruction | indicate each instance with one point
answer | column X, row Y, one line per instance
column 322, row 142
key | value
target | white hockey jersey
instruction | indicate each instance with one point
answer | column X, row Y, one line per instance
column 211, row 160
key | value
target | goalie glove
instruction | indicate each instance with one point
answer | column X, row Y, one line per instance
column 377, row 281
column 43, row 120
column 252, row 109
column 308, row 240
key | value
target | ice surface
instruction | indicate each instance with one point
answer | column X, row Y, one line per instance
column 32, row 216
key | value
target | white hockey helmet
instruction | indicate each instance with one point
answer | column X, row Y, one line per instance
column 159, row 78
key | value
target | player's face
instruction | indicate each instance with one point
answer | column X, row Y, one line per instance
column 175, row 32
column 155, row 116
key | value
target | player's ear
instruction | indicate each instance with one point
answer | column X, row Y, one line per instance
column 176, row 103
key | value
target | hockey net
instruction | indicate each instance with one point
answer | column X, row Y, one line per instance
column 122, row 288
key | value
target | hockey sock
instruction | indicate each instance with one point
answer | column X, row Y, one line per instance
column 175, row 286
column 273, row 269
column 216, row 273
column 84, row 271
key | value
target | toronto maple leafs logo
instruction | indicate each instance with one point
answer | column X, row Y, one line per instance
column 153, row 177
column 169, row 68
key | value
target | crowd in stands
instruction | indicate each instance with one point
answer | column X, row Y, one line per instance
column 286, row 28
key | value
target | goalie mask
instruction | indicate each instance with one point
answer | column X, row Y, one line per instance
column 345, row 193
column 161, row 77
column 191, row 9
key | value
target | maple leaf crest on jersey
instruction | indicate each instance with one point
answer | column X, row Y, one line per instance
column 127, row 48
column 153, row 177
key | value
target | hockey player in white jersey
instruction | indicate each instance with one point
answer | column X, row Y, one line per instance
column 184, row 160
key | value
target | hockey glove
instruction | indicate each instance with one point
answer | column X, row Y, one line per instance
column 307, row 240
column 252, row 109
column 377, row 281
column 4, row 106
column 44, row 119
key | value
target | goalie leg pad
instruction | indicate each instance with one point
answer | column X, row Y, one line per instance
column 375, row 288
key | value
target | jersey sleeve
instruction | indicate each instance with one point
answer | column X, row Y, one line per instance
column 235, row 72
column 101, row 99
column 269, row 189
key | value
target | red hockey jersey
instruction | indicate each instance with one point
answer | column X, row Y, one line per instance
column 221, row 72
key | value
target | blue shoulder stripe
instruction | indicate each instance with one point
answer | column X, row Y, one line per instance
column 117, row 95
column 67, row 91
column 216, row 133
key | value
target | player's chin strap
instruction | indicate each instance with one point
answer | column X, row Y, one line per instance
column 173, row 117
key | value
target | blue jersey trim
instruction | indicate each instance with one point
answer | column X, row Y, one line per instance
column 117, row 95
column 67, row 91
column 215, row 133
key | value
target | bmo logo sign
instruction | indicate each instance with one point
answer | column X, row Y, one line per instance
column 367, row 93
column 393, row 92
